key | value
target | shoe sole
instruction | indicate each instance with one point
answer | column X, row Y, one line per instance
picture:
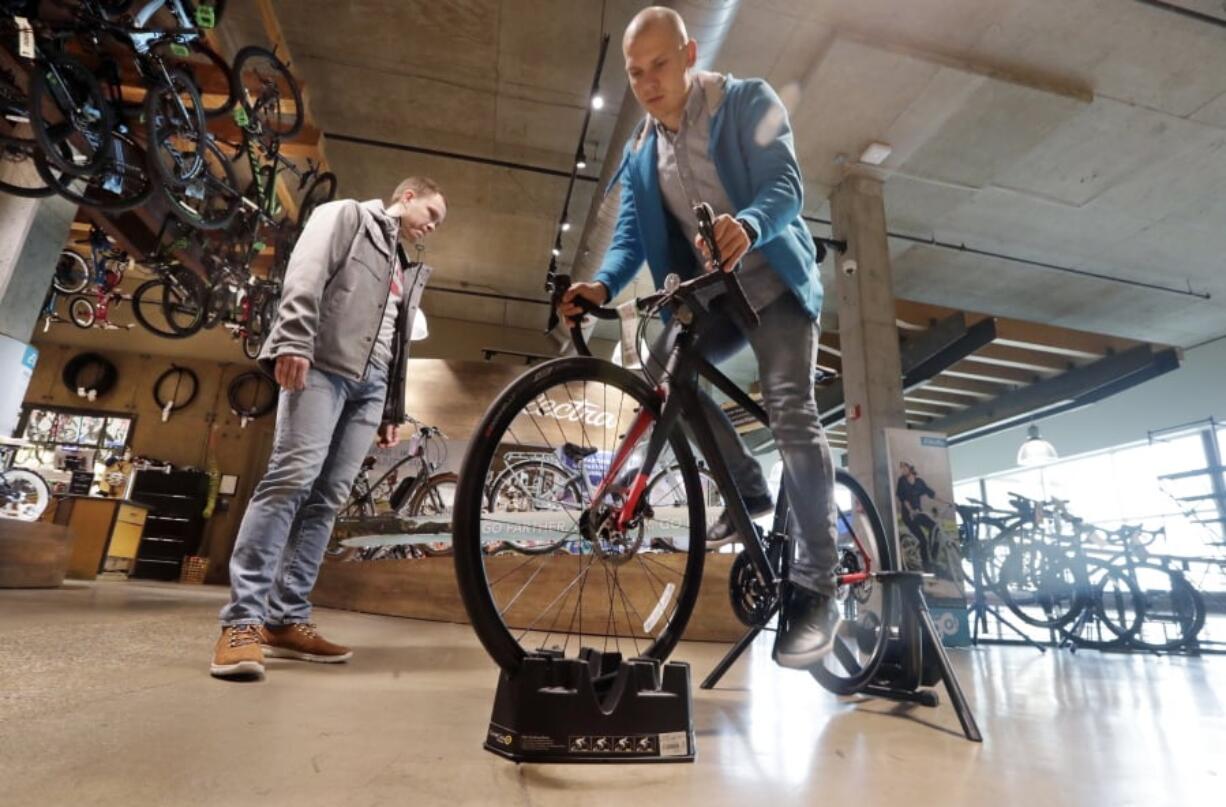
column 736, row 536
column 282, row 652
column 243, row 669
column 803, row 661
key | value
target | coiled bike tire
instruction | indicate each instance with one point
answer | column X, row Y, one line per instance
column 75, row 375
column 244, row 395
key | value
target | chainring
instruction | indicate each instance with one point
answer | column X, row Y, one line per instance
column 752, row 602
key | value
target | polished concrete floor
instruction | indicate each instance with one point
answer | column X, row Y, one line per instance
column 105, row 700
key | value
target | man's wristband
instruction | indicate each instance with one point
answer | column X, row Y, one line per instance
column 749, row 231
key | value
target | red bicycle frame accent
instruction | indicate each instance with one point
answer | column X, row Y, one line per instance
column 642, row 422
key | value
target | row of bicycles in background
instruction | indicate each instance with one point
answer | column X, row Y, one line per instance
column 120, row 105
column 1107, row 589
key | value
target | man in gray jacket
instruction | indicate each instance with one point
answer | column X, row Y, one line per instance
column 338, row 350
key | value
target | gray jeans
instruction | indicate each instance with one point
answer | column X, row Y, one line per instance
column 785, row 345
column 323, row 434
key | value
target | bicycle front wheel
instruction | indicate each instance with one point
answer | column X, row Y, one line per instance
column 603, row 586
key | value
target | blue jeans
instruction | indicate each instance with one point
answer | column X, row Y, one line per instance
column 323, row 434
column 785, row 345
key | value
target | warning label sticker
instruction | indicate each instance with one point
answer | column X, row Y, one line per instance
column 674, row 744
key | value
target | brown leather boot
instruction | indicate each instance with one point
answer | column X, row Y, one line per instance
column 302, row 641
column 238, row 653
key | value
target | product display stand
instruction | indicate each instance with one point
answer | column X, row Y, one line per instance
column 595, row 708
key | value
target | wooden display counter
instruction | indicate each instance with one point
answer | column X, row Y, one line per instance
column 425, row 588
column 105, row 533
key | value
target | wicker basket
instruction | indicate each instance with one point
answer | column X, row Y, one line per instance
column 193, row 570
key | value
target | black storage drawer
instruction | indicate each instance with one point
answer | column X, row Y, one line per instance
column 175, row 524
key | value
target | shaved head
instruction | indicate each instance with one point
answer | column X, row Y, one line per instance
column 659, row 55
column 656, row 18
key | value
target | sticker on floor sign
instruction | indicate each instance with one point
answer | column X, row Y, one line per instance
column 658, row 611
column 674, row 744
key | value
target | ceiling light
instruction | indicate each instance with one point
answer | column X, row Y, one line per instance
column 565, row 226
column 581, row 159
column 597, row 101
column 1036, row 450
column 876, row 153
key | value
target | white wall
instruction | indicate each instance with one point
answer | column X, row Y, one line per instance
column 1193, row 392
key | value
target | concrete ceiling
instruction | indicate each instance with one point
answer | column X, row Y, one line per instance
column 1081, row 133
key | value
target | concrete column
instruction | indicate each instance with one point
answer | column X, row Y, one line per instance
column 868, row 336
column 32, row 233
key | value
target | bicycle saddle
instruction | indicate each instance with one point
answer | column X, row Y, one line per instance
column 576, row 453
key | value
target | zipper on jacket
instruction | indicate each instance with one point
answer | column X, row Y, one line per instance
column 382, row 310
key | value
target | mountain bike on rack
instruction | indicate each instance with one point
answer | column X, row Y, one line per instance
column 619, row 591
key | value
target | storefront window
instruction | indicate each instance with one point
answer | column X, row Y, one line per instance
column 1165, row 483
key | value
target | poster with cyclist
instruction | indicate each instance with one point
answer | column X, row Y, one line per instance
column 927, row 525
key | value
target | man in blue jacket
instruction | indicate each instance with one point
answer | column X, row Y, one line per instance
column 727, row 142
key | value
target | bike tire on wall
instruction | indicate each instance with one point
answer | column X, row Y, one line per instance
column 74, row 370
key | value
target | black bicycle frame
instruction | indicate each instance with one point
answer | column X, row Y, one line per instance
column 683, row 368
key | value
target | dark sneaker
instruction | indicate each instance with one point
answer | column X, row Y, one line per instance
column 302, row 641
column 811, row 622
column 237, row 653
column 722, row 531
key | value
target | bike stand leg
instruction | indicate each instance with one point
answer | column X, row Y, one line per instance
column 735, row 653
column 728, row 660
column 930, row 637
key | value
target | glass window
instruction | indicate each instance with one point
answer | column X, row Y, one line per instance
column 55, row 433
column 1164, row 483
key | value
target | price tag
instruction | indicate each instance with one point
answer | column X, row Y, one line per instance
column 25, row 38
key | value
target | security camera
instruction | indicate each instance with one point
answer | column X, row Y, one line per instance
column 849, row 267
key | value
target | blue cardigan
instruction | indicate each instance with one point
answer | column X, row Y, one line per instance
column 762, row 181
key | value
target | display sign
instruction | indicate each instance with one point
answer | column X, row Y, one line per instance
column 17, row 360
column 927, row 525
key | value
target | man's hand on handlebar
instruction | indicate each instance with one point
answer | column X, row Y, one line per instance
column 571, row 311
column 732, row 240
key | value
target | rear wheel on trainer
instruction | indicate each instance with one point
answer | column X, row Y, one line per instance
column 604, row 587
column 868, row 608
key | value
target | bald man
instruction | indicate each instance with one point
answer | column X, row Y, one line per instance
column 727, row 142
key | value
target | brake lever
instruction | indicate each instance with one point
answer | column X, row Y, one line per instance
column 556, row 285
column 732, row 284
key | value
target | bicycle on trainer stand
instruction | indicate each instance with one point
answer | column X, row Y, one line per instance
column 620, row 591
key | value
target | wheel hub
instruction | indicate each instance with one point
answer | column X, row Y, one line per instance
column 614, row 545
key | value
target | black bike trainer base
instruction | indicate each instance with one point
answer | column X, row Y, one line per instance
column 595, row 708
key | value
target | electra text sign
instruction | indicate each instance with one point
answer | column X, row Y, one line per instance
column 572, row 411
